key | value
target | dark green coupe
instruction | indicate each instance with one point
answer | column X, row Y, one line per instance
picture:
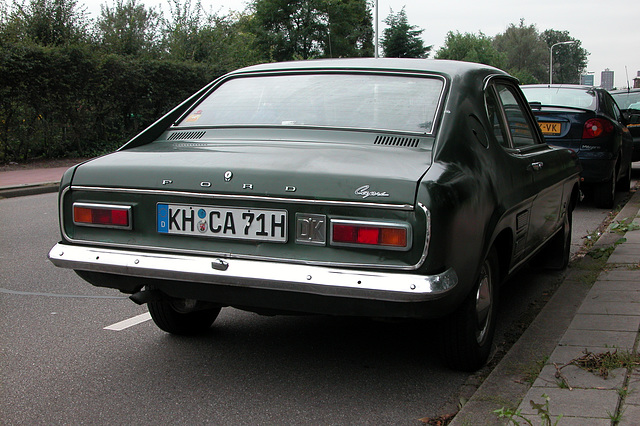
column 385, row 188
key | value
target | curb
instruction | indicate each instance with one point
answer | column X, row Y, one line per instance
column 33, row 189
column 505, row 387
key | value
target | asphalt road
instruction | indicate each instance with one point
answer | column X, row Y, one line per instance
column 58, row 363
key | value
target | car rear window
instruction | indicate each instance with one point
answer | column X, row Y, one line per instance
column 363, row 101
column 559, row 96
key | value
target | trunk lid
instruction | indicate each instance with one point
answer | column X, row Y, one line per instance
column 299, row 169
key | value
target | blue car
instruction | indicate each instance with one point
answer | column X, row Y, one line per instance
column 588, row 121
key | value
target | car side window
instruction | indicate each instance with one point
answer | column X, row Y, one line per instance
column 613, row 107
column 495, row 118
column 518, row 125
column 606, row 106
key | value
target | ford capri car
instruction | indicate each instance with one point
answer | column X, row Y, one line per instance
column 362, row 187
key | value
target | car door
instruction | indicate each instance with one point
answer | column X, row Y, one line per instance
column 543, row 164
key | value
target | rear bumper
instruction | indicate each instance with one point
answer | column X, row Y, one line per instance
column 596, row 170
column 264, row 285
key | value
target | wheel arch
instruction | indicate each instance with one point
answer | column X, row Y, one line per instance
column 503, row 243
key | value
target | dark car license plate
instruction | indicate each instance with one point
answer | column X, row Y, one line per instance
column 222, row 222
column 550, row 128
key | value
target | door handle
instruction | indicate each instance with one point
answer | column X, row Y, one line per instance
column 537, row 166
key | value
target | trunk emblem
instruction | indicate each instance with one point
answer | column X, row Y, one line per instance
column 228, row 175
column 365, row 192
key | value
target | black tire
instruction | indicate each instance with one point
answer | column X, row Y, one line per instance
column 604, row 193
column 624, row 184
column 167, row 318
column 467, row 335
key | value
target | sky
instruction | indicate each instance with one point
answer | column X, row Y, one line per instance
column 609, row 31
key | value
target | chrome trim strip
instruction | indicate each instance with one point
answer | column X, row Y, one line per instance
column 403, row 207
column 295, row 71
column 427, row 237
column 249, row 257
column 326, row 281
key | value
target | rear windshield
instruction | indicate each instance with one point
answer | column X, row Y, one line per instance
column 365, row 101
column 560, row 96
column 627, row 100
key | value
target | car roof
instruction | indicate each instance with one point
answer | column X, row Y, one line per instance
column 561, row 86
column 628, row 90
column 438, row 66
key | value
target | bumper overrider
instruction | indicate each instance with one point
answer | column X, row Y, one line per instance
column 262, row 285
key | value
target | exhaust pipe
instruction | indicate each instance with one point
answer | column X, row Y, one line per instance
column 146, row 296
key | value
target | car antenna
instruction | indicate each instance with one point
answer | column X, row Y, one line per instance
column 626, row 71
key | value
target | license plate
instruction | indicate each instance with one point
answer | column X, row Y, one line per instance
column 550, row 128
column 223, row 222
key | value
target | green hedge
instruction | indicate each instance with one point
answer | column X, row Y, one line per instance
column 74, row 102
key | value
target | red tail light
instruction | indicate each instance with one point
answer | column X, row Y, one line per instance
column 370, row 234
column 102, row 215
column 595, row 127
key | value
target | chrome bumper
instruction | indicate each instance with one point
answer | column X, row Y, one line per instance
column 308, row 279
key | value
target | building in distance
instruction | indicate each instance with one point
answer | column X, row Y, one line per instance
column 606, row 79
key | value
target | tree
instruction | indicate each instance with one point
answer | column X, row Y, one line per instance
column 128, row 28
column 47, row 23
column 181, row 32
column 526, row 53
column 291, row 29
column 471, row 48
column 401, row 40
column 305, row 29
column 350, row 30
column 569, row 61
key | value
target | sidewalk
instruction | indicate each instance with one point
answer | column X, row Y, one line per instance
column 17, row 183
column 593, row 319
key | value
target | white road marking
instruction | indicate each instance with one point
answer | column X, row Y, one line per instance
column 138, row 319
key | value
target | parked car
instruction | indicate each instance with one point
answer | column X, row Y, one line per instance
column 388, row 188
column 629, row 102
column 587, row 121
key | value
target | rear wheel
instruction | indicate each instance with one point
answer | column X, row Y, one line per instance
column 624, row 184
column 467, row 334
column 182, row 317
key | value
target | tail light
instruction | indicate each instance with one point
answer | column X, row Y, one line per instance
column 365, row 234
column 595, row 127
column 102, row 215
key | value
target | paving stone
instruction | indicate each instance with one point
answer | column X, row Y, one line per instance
column 625, row 253
column 621, row 340
column 626, row 283
column 591, row 403
column 572, row 421
column 578, row 378
column 608, row 295
column 605, row 322
column 564, row 354
column 609, row 308
column 633, row 395
column 630, row 415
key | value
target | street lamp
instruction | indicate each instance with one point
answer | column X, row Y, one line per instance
column 376, row 29
column 551, row 57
